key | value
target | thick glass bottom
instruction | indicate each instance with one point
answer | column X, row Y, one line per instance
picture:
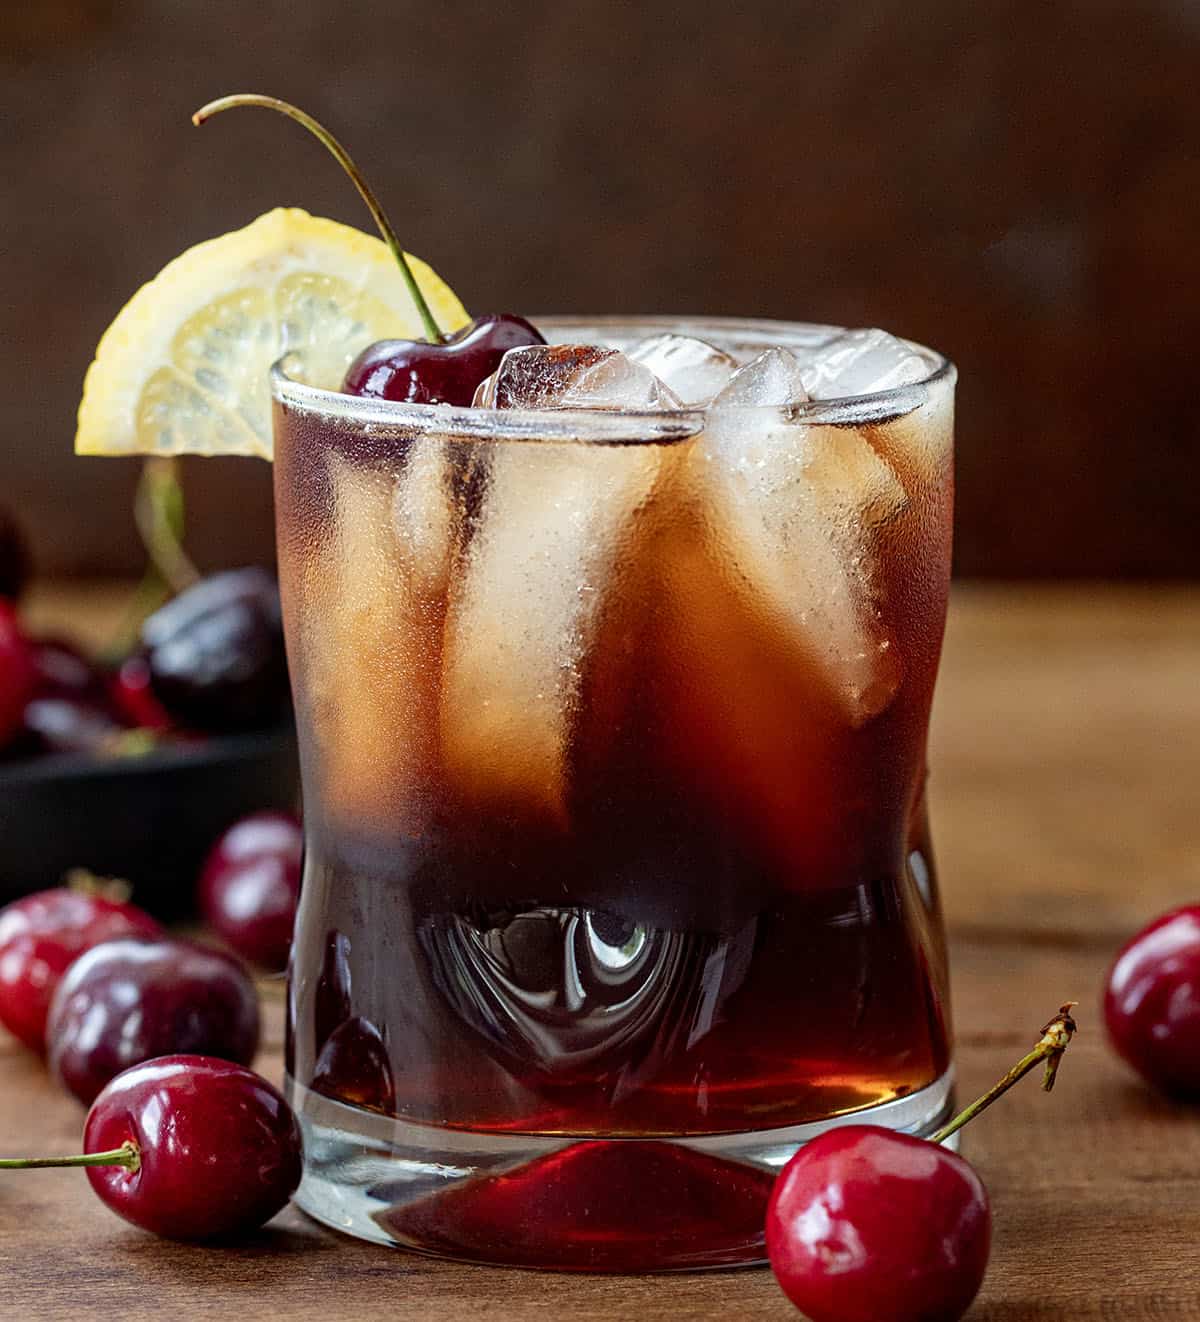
column 559, row 1201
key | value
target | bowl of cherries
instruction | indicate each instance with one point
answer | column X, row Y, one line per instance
column 134, row 763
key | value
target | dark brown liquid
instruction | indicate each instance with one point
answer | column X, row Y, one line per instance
column 724, row 917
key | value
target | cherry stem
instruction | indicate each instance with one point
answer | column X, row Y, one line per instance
column 127, row 1155
column 1056, row 1036
column 158, row 512
column 319, row 131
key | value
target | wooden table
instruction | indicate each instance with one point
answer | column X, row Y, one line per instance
column 1067, row 812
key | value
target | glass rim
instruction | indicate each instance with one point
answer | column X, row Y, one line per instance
column 618, row 426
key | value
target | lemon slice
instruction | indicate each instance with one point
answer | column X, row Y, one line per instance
column 184, row 368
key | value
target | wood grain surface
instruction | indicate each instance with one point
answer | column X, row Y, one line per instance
column 1066, row 762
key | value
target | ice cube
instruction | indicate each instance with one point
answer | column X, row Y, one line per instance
column 572, row 376
column 555, row 521
column 794, row 509
column 693, row 369
column 774, row 378
column 861, row 362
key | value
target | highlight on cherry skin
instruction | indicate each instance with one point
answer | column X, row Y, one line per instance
column 41, row 935
column 439, row 369
column 1152, row 1002
column 866, row 1224
column 189, row 1148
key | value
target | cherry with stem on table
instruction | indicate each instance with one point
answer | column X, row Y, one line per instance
column 865, row 1223
column 188, row 1147
column 440, row 369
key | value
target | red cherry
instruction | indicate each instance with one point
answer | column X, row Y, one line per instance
column 866, row 1224
column 131, row 1000
column 250, row 885
column 1152, row 1002
column 17, row 673
column 219, row 1148
column 215, row 653
column 40, row 936
column 445, row 372
column 441, row 369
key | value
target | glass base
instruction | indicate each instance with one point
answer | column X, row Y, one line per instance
column 564, row 1202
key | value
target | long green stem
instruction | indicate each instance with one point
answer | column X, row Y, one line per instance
column 1056, row 1036
column 319, row 131
column 126, row 1155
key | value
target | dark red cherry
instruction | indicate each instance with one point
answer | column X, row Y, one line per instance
column 250, row 886
column 420, row 372
column 1152, row 1002
column 866, row 1224
column 440, row 369
column 130, row 1000
column 215, row 653
column 41, row 935
column 17, row 673
column 14, row 559
column 218, row 1149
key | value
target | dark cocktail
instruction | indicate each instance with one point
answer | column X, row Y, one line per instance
column 613, row 694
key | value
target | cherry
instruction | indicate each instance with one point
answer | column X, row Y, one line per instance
column 250, row 886
column 418, row 372
column 17, row 673
column 14, row 560
column 188, row 1147
column 1152, row 1002
column 40, row 937
column 215, row 653
column 130, row 1000
column 866, row 1223
column 441, row 369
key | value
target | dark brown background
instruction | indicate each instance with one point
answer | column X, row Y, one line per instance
column 1018, row 184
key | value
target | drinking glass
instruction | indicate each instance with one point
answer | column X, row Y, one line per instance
column 618, row 884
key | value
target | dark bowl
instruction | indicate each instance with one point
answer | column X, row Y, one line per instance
column 149, row 819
